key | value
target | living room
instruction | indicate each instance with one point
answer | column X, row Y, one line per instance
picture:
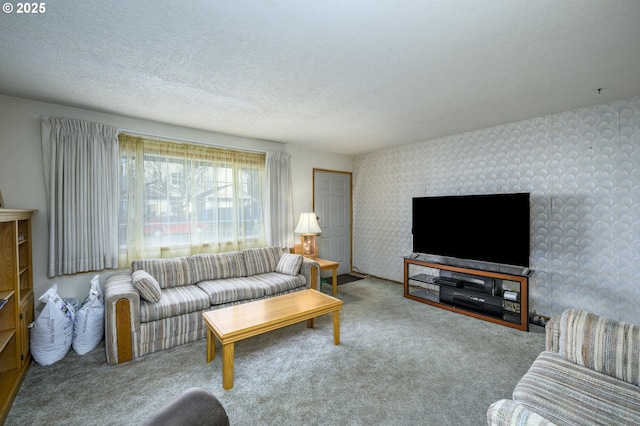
column 578, row 163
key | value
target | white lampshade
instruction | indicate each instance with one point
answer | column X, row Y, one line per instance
column 308, row 224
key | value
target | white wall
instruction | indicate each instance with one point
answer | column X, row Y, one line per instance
column 22, row 176
column 582, row 169
column 303, row 161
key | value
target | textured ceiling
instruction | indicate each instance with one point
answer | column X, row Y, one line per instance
column 342, row 76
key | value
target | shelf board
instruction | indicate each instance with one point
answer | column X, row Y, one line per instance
column 6, row 294
column 5, row 337
column 24, row 296
column 423, row 278
column 7, row 379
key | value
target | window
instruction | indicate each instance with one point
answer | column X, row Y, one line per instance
column 179, row 199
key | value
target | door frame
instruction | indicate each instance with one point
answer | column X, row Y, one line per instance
column 313, row 205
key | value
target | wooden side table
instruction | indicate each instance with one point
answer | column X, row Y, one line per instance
column 326, row 265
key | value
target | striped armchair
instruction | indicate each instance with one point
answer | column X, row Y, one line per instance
column 158, row 304
column 588, row 375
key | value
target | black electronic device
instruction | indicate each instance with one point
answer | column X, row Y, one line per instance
column 490, row 228
column 451, row 282
column 472, row 300
column 477, row 283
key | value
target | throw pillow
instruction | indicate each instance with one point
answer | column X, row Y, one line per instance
column 147, row 286
column 289, row 264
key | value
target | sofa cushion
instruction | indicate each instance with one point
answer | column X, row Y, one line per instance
column 170, row 272
column 231, row 289
column 215, row 266
column 174, row 301
column 146, row 285
column 274, row 282
column 165, row 333
column 591, row 340
column 568, row 393
column 261, row 260
column 289, row 264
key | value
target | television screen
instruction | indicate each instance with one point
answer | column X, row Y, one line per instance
column 490, row 228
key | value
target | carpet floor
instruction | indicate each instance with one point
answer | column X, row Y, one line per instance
column 400, row 362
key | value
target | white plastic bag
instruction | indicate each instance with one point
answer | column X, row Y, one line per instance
column 88, row 326
column 95, row 285
column 52, row 331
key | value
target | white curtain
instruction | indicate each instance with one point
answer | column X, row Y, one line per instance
column 278, row 201
column 179, row 199
column 81, row 178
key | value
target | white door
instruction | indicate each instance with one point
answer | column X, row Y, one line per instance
column 332, row 205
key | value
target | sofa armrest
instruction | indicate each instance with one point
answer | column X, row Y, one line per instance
column 552, row 331
column 311, row 271
column 122, row 316
column 511, row 413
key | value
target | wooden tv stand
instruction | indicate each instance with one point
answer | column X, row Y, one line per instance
column 498, row 297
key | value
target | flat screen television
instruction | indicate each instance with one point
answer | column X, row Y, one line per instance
column 490, row 228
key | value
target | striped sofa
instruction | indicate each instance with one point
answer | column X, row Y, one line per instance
column 158, row 303
column 588, row 375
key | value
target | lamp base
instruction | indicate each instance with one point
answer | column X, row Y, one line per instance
column 308, row 245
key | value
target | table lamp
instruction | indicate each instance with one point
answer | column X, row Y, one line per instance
column 308, row 228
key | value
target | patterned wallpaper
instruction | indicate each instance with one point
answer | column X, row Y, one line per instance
column 582, row 169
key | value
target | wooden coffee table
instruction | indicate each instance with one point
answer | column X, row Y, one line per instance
column 235, row 323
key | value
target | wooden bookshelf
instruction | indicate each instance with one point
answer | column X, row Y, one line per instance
column 16, row 297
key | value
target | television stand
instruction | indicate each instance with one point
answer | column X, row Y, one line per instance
column 498, row 297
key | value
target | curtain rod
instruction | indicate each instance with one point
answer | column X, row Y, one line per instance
column 192, row 141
